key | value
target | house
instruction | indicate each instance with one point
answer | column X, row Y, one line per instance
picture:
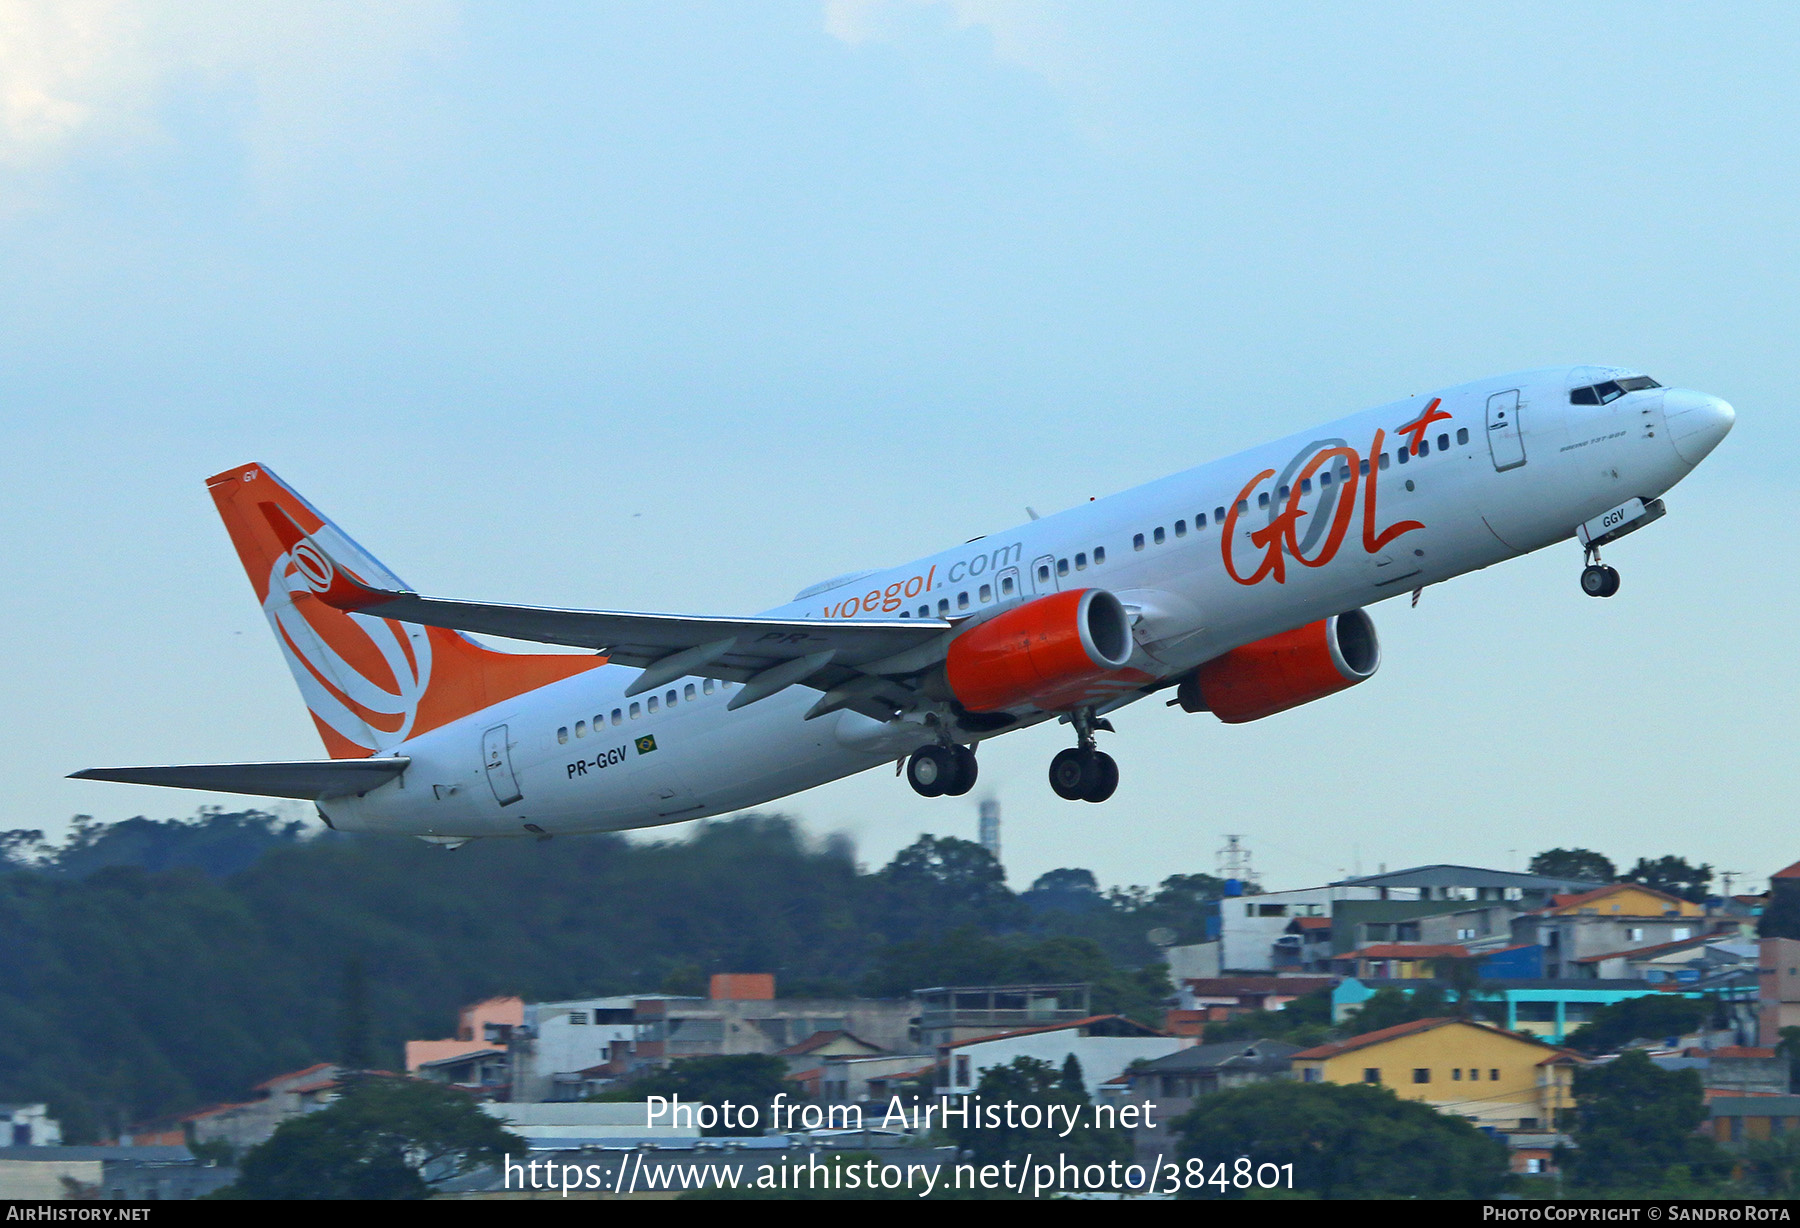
column 1746, row 1119
column 482, row 1027
column 562, row 1050
column 1777, row 988
column 245, row 1124
column 958, row 1012
column 1104, row 1045
column 1496, row 1079
column 1685, row 960
column 1607, row 920
column 28, row 1125
column 1253, row 933
column 1404, row 961
column 1219, row 998
column 1173, row 1083
column 1732, row 1070
column 1548, row 1009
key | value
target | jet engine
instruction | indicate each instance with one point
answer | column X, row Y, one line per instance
column 1039, row 652
column 1284, row 671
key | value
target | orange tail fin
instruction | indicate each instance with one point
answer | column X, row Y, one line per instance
column 369, row 682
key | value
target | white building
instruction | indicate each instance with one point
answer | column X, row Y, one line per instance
column 1250, row 925
column 560, row 1040
column 28, row 1125
column 1104, row 1045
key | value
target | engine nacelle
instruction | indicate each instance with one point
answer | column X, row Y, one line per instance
column 1284, row 671
column 1040, row 651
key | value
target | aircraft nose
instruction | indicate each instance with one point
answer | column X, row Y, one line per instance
column 1697, row 422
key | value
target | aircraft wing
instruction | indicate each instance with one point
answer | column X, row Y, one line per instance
column 310, row 779
column 860, row 664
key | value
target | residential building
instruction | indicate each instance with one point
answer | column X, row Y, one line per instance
column 136, row 1174
column 1214, row 999
column 562, row 1051
column 1252, row 928
column 1778, row 988
column 1173, row 1083
column 244, row 1125
column 1606, row 920
column 1731, row 1070
column 1548, row 1009
column 870, row 1081
column 1496, row 1079
column 1104, row 1045
column 482, row 1027
column 28, row 1125
column 1748, row 1119
column 948, row 1013
column 1467, row 884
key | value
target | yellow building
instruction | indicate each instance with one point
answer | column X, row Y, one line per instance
column 1623, row 900
column 1492, row 1077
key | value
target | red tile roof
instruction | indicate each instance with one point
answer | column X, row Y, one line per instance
column 1409, row 950
column 1792, row 871
column 818, row 1040
column 1313, row 923
column 269, row 1084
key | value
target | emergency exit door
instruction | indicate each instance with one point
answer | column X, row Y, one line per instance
column 1505, row 444
column 496, row 756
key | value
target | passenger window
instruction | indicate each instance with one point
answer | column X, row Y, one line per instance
column 1200, row 522
column 1099, row 557
column 1384, row 460
column 599, row 723
column 562, row 735
column 1062, row 567
column 1401, row 455
column 1044, row 571
column 1262, row 500
column 1424, row 447
column 1006, row 585
column 670, row 698
column 987, row 593
column 1306, row 486
column 943, row 606
column 1443, row 443
column 1324, row 477
column 1219, row 515
column 618, row 715
column 1244, row 505
column 1462, row 434
column 905, row 613
column 1137, row 541
column 651, row 703
column 1181, row 528
column 1081, row 561
column 924, row 611
column 1158, row 535
column 581, row 729
column 687, row 692
column 635, row 712
column 1282, row 493
column 706, row 687
column 962, row 601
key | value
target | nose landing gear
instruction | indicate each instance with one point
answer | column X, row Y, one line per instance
column 1083, row 773
column 1597, row 579
column 942, row 770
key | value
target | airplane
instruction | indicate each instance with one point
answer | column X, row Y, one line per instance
column 1240, row 585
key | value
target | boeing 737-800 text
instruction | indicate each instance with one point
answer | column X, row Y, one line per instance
column 1239, row 585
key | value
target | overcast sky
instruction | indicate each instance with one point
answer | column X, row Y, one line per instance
column 682, row 307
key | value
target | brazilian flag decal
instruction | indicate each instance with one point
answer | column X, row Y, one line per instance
column 646, row 744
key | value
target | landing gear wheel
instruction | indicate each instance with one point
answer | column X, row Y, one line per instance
column 931, row 770
column 1599, row 580
column 1069, row 774
column 1103, row 777
column 964, row 771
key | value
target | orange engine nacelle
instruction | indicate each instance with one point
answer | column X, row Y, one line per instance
column 1040, row 651
column 1284, row 671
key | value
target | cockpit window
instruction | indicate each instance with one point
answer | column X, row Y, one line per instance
column 1611, row 390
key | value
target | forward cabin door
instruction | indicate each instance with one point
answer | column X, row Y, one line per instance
column 1505, row 444
column 496, row 756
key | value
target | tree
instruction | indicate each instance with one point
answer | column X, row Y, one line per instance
column 1304, row 1021
column 1781, row 915
column 1388, row 1007
column 1030, row 1081
column 383, row 1138
column 1583, row 864
column 1649, row 1017
column 1789, row 1047
column 1462, row 976
column 1344, row 1141
column 940, row 882
column 354, row 1052
column 752, row 1079
column 1673, row 875
column 1069, row 890
column 1772, row 1165
column 1635, row 1127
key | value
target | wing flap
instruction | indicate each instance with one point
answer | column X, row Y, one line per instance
column 308, row 779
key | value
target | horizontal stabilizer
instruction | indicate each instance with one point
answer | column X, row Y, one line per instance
column 310, row 779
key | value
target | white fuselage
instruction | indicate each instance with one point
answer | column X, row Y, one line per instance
column 575, row 766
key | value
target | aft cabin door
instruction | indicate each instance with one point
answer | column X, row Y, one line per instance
column 496, row 755
column 1505, row 444
column 1043, row 575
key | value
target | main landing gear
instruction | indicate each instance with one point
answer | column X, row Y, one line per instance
column 1083, row 773
column 942, row 770
column 1597, row 579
